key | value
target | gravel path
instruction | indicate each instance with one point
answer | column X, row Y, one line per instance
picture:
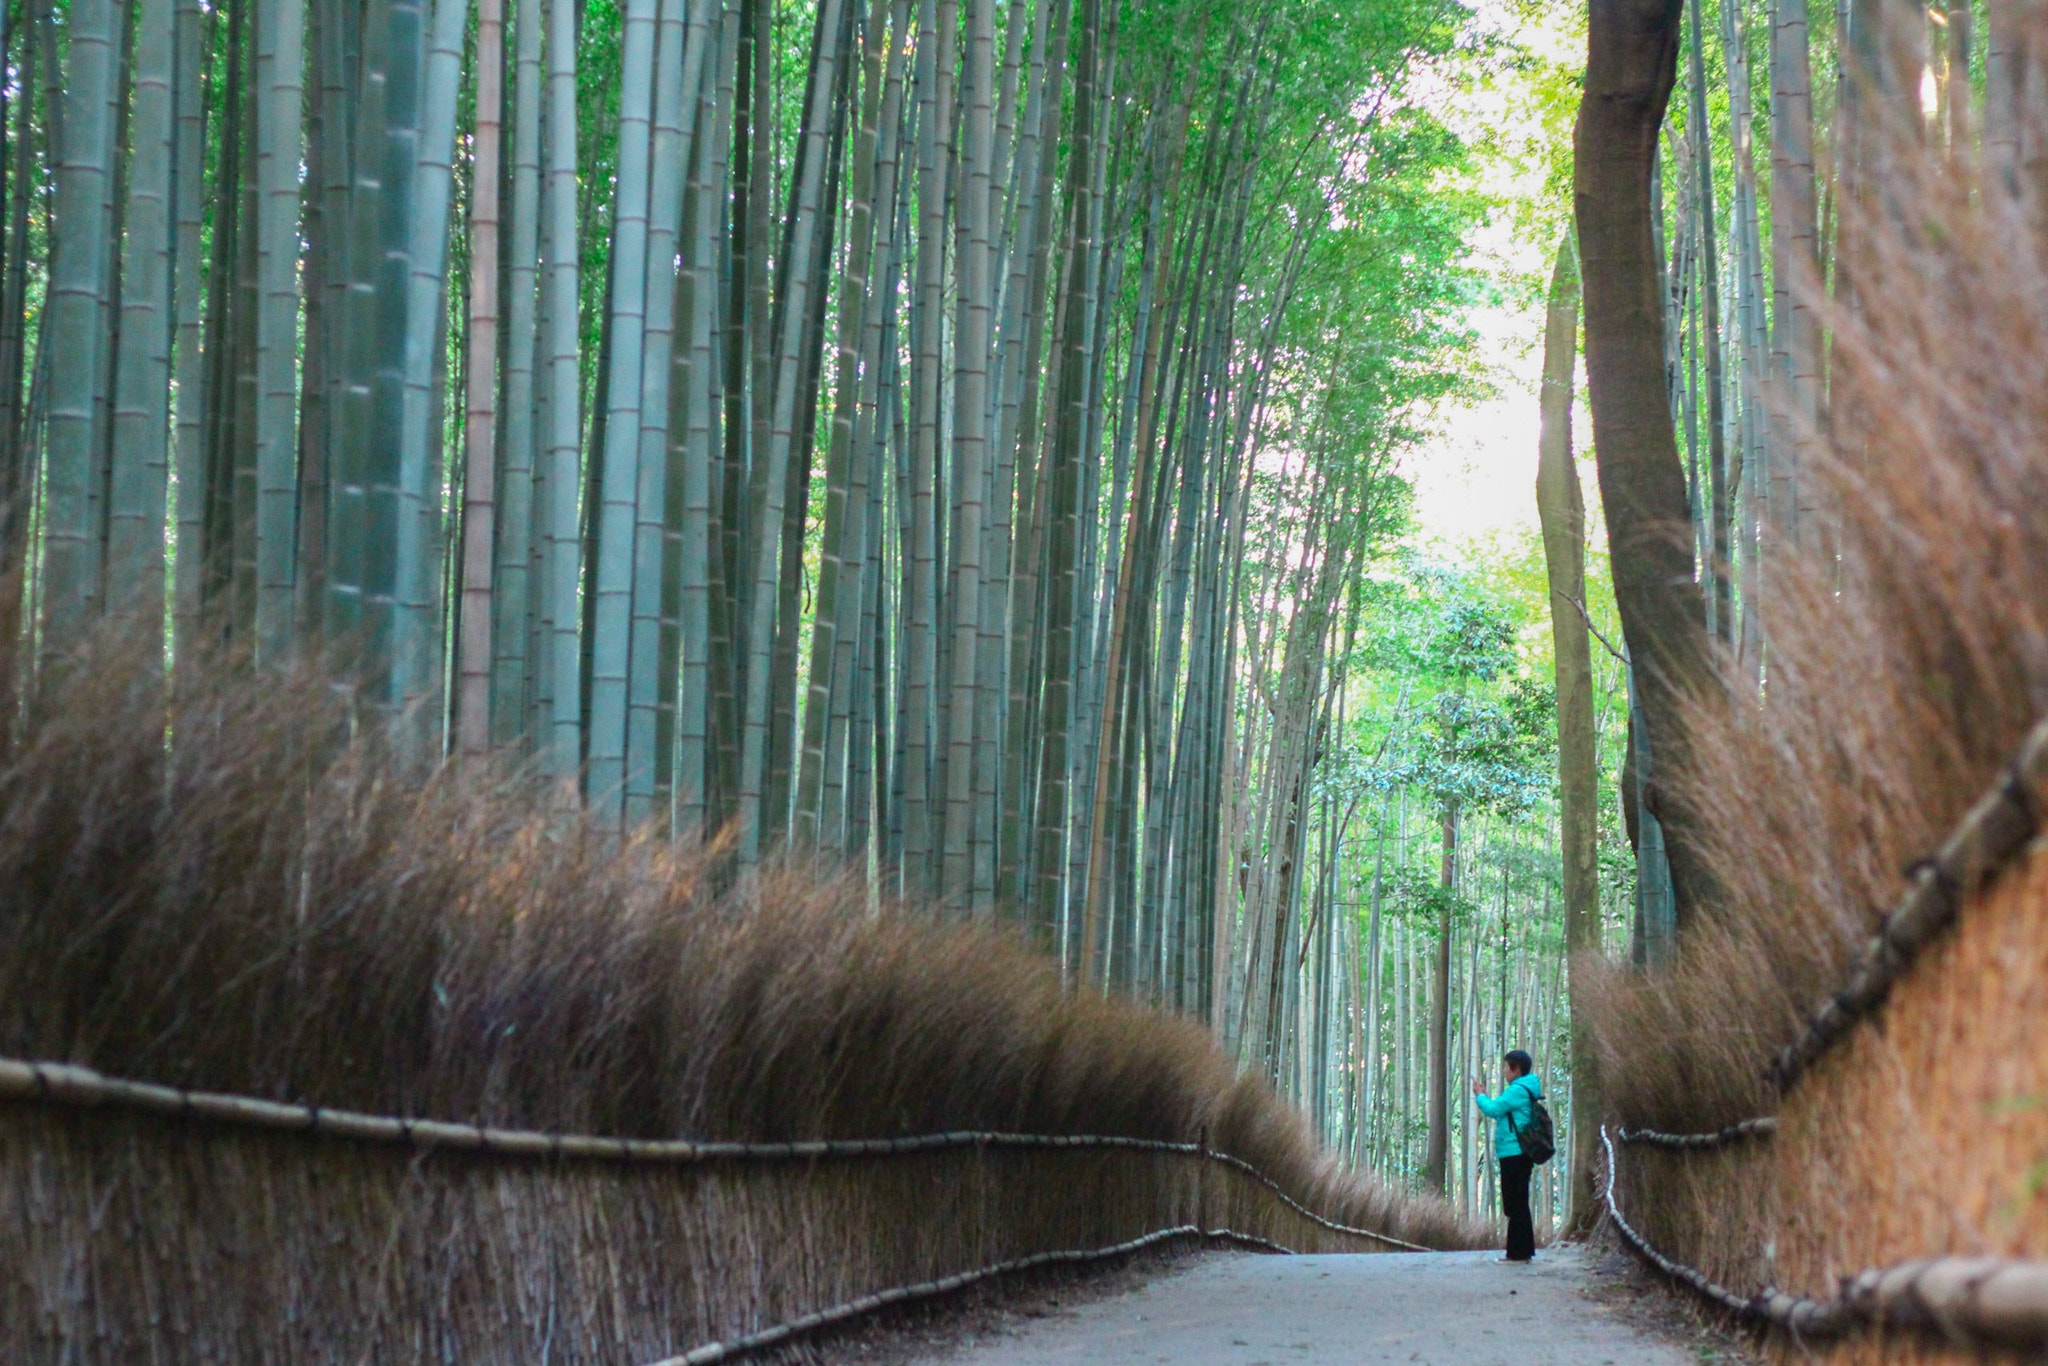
column 1435, row 1309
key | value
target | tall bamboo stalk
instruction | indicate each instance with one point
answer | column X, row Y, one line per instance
column 513, row 582
column 77, row 292
column 768, row 522
column 625, row 341
column 280, row 95
column 1063, row 476
column 971, row 471
column 474, row 660
column 844, row 543
column 141, row 415
column 564, row 744
column 700, row 434
column 650, row 696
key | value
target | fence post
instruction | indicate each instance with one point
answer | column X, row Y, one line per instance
column 1202, row 1181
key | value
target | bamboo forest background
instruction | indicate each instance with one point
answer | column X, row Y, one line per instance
column 965, row 441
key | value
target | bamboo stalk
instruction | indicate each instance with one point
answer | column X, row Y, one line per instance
column 280, row 95
column 564, row 742
column 141, row 413
column 513, row 581
column 77, row 291
column 474, row 658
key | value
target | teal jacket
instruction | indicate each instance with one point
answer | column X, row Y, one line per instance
column 1512, row 1108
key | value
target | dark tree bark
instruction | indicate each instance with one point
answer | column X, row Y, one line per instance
column 1632, row 61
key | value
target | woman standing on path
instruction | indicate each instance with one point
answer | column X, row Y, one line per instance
column 1512, row 1111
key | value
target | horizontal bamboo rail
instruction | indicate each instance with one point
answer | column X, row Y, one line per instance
column 72, row 1085
column 1762, row 1127
column 1985, row 1300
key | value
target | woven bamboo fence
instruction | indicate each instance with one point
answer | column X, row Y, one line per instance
column 1895, row 1208
column 147, row 1223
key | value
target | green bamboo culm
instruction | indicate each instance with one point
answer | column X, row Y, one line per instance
column 72, row 563
column 280, row 64
column 141, row 415
column 613, row 572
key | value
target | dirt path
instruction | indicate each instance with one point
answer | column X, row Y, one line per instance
column 1438, row 1309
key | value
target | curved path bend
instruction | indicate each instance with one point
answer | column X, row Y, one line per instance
column 1243, row 1309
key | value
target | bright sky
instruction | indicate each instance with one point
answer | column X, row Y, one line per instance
column 1477, row 479
column 1479, row 475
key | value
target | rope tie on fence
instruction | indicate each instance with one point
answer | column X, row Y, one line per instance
column 1991, row 834
column 71, row 1085
column 1990, row 1300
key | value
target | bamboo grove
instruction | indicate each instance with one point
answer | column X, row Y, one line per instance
column 894, row 433
column 1432, row 931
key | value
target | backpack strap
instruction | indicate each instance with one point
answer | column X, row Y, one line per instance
column 1511, row 1109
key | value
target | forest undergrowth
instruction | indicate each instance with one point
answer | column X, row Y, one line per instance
column 267, row 905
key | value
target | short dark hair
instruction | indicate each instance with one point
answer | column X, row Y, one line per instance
column 1520, row 1061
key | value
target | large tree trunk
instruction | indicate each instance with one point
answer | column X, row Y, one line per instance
column 1631, row 65
column 1563, row 514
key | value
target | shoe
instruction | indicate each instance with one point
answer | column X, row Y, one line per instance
column 1513, row 1261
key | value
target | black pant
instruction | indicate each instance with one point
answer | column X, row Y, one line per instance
column 1514, row 1199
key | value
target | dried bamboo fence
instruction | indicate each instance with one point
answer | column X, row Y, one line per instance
column 454, row 1241
column 1905, row 1116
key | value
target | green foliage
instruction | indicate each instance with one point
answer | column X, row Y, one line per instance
column 1421, row 899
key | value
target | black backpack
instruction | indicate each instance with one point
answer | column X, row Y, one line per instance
column 1539, row 1140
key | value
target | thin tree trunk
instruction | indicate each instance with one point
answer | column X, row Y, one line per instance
column 1563, row 515
column 1435, row 1164
column 1720, row 602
